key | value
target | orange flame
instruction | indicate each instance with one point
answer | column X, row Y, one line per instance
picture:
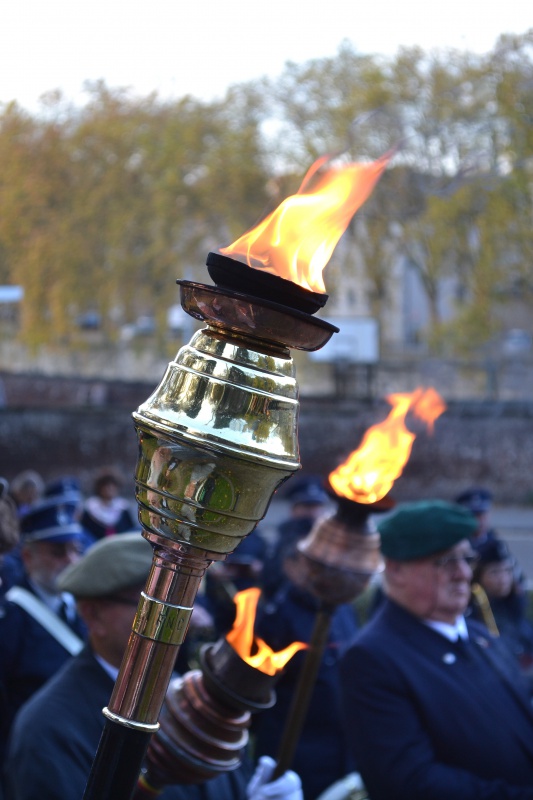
column 242, row 639
column 296, row 240
column 370, row 471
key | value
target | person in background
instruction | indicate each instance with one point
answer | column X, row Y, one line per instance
column 323, row 754
column 478, row 501
column 69, row 488
column 30, row 489
column 68, row 491
column 105, row 512
column 9, row 525
column 308, row 501
column 26, row 489
column 434, row 706
column 56, row 734
column 39, row 626
column 9, row 537
column 495, row 573
column 240, row 570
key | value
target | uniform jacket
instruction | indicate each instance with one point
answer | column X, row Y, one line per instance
column 322, row 755
column 514, row 627
column 29, row 656
column 56, row 735
column 433, row 720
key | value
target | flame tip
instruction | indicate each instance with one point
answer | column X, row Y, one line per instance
column 297, row 239
column 369, row 472
column 241, row 637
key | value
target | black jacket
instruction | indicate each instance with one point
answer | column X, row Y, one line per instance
column 56, row 735
column 29, row 656
column 432, row 720
column 322, row 754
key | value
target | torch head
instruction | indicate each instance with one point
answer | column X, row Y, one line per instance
column 341, row 553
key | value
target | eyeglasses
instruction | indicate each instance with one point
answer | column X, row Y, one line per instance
column 450, row 563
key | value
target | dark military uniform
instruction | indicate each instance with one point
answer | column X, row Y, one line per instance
column 29, row 655
column 307, row 493
column 434, row 708
column 430, row 719
column 323, row 754
column 55, row 738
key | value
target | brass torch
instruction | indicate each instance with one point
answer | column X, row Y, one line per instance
column 337, row 560
column 216, row 439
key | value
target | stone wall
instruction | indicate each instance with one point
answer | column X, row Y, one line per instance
column 487, row 443
column 27, row 390
column 75, row 441
column 473, row 442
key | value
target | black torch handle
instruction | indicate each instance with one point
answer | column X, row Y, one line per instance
column 304, row 690
column 117, row 764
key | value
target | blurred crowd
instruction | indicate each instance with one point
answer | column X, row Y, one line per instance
column 72, row 569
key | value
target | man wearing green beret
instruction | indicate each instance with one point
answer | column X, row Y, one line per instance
column 56, row 734
column 434, row 705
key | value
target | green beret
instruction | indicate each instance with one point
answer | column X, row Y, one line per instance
column 117, row 562
column 416, row 530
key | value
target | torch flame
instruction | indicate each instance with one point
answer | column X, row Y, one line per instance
column 242, row 639
column 296, row 240
column 370, row 471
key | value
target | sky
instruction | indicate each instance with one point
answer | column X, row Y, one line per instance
column 179, row 47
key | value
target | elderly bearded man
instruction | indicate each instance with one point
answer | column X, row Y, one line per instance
column 434, row 705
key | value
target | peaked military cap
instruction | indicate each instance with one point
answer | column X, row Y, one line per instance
column 117, row 562
column 53, row 519
column 477, row 499
column 66, row 488
column 417, row 530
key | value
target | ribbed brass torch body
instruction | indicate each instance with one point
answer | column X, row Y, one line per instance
column 216, row 439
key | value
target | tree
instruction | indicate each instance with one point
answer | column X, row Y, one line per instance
column 106, row 208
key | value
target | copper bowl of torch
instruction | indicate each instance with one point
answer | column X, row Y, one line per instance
column 341, row 552
column 233, row 681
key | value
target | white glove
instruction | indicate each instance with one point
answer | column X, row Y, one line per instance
column 287, row 787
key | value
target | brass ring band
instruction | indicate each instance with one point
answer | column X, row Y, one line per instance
column 161, row 622
column 129, row 723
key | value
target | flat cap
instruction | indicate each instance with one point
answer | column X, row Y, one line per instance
column 115, row 563
column 417, row 530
